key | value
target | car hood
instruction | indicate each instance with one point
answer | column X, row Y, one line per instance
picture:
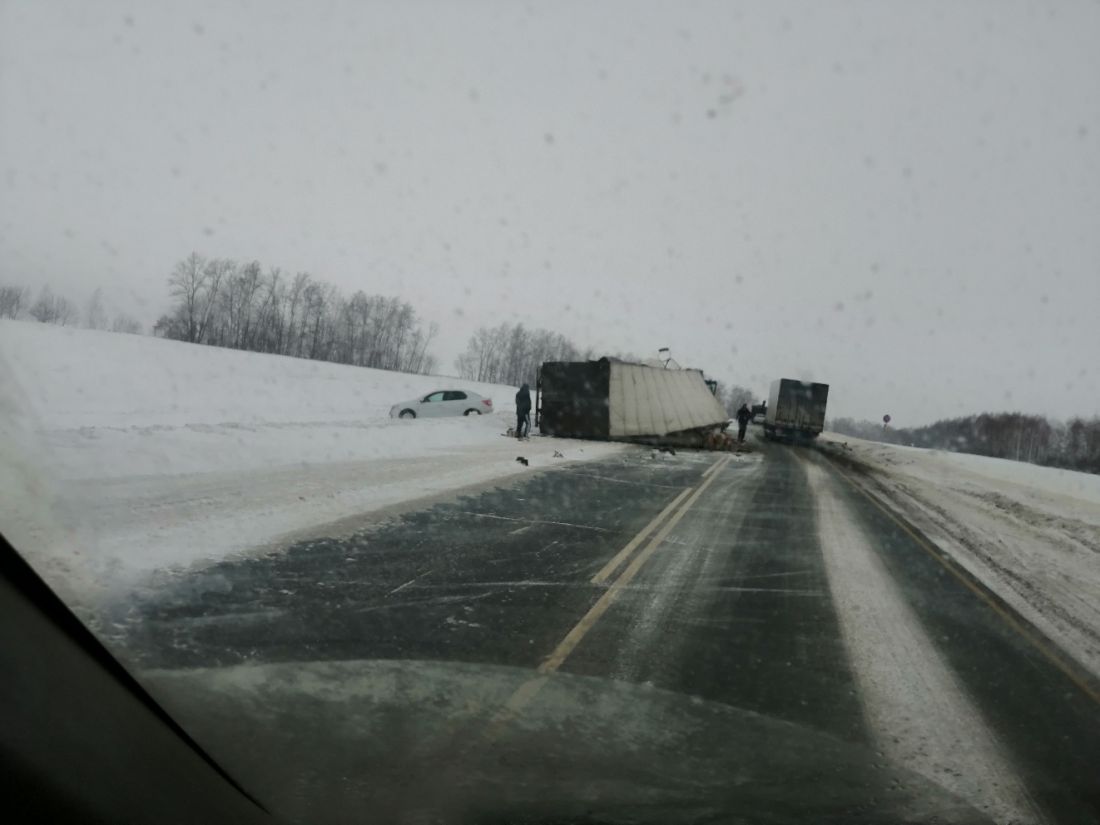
column 412, row 741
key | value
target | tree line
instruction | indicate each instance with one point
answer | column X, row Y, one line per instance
column 513, row 353
column 1073, row 445
column 240, row 305
column 733, row 396
column 50, row 308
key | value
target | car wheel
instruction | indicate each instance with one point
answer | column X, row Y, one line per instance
column 472, row 412
column 408, row 414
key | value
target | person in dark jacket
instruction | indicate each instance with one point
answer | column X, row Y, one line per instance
column 523, row 411
column 744, row 416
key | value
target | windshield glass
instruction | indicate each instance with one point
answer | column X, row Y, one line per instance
column 570, row 412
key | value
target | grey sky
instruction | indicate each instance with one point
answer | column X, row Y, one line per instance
column 901, row 199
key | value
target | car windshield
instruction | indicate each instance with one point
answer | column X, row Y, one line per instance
column 570, row 412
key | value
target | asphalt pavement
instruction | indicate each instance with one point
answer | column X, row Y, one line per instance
column 698, row 574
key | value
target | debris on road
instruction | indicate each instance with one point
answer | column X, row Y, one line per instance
column 723, row 441
column 523, row 461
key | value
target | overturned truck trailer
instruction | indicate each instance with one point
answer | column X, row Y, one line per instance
column 619, row 401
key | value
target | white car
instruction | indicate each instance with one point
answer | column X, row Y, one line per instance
column 443, row 403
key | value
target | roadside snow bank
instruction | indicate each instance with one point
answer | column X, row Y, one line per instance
column 1075, row 494
column 122, row 455
column 1031, row 534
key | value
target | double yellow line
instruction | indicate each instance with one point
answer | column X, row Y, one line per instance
column 529, row 689
column 632, row 545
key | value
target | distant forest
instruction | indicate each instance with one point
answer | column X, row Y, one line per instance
column 241, row 305
column 1074, row 445
column 511, row 354
column 16, row 302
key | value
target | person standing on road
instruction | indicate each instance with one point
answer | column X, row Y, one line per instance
column 523, row 411
column 744, row 415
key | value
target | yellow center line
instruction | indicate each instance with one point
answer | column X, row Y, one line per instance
column 620, row 557
column 613, row 565
column 711, row 468
column 529, row 689
column 1054, row 658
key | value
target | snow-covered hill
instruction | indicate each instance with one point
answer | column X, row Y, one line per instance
column 84, row 378
column 124, row 454
column 108, row 406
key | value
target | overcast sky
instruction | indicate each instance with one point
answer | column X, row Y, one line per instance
column 901, row 199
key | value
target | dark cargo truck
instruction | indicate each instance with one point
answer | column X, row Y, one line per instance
column 796, row 409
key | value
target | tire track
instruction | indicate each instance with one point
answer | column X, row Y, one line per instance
column 917, row 709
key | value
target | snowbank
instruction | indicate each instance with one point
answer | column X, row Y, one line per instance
column 121, row 455
column 1053, row 487
column 1031, row 534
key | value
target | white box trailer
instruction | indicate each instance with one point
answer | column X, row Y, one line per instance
column 796, row 409
column 620, row 401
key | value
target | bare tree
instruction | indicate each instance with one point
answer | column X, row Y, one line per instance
column 736, row 396
column 215, row 272
column 429, row 366
column 294, row 301
column 53, row 309
column 13, row 300
column 66, row 312
column 316, row 298
column 126, row 323
column 95, row 317
column 422, row 362
column 195, row 283
column 270, row 321
column 225, row 304
column 42, row 310
column 171, row 327
column 188, row 283
column 509, row 354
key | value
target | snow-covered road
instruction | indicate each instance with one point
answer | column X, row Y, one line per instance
column 763, row 584
column 916, row 707
column 227, row 496
column 140, row 525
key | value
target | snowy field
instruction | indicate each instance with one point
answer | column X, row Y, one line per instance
column 122, row 456
column 1031, row 534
